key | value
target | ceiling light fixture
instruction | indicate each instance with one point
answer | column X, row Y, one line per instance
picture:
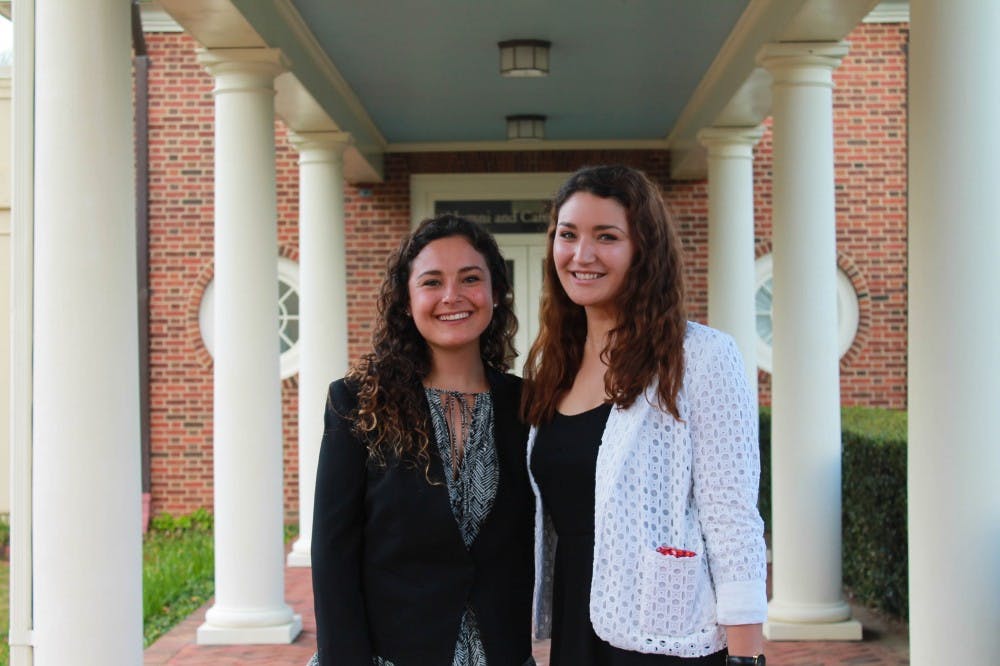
column 525, row 127
column 524, row 57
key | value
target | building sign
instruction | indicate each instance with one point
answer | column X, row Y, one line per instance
column 500, row 217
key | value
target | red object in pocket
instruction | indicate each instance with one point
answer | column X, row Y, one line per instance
column 675, row 552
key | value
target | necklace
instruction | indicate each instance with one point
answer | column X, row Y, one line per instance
column 457, row 412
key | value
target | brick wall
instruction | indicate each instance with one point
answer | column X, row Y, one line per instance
column 180, row 249
column 870, row 145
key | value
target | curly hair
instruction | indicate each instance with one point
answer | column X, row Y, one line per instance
column 391, row 415
column 647, row 342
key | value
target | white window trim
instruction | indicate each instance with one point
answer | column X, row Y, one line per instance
column 288, row 272
column 848, row 311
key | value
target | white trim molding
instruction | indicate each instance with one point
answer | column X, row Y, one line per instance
column 156, row 19
column 890, row 11
column 526, row 145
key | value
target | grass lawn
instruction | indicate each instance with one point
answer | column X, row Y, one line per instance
column 178, row 571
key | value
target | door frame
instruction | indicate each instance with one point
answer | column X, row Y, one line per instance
column 428, row 188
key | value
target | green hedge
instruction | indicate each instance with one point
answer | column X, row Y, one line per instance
column 873, row 500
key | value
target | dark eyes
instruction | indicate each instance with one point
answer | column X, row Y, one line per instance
column 435, row 282
column 569, row 235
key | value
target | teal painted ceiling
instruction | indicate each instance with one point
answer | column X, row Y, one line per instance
column 429, row 71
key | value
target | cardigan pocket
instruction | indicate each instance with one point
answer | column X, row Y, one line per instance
column 672, row 593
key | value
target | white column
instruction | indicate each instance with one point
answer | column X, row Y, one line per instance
column 807, row 601
column 249, row 551
column 323, row 299
column 954, row 333
column 730, row 237
column 22, row 340
column 5, row 297
column 86, row 532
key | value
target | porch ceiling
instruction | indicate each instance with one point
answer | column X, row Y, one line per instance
column 402, row 76
column 428, row 72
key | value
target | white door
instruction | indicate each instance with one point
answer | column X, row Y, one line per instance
column 525, row 255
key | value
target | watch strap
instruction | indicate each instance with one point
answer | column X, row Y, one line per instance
column 745, row 661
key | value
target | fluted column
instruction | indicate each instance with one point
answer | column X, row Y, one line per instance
column 730, row 237
column 954, row 333
column 323, row 293
column 807, row 600
column 86, row 506
column 249, row 551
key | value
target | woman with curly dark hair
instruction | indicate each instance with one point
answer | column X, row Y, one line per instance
column 643, row 448
column 422, row 531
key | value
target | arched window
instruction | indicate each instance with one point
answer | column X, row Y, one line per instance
column 288, row 316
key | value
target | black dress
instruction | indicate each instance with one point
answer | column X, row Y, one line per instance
column 564, row 464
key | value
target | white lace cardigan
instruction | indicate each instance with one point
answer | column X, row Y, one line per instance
column 689, row 484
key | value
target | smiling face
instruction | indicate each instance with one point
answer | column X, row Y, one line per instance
column 451, row 295
column 592, row 250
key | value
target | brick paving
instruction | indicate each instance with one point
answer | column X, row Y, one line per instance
column 885, row 643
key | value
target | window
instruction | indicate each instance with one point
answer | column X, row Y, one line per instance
column 288, row 316
column 847, row 311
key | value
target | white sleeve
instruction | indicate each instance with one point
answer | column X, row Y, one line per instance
column 726, row 470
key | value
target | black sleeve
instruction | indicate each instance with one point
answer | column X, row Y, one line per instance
column 338, row 538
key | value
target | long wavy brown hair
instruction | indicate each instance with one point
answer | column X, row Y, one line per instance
column 647, row 343
column 392, row 415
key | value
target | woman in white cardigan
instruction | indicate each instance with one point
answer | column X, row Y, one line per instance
column 643, row 450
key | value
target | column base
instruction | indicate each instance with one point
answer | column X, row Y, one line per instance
column 847, row 630
column 300, row 555
column 282, row 634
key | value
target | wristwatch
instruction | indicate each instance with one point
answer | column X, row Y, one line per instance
column 745, row 661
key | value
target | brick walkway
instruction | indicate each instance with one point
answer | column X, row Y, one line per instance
column 884, row 643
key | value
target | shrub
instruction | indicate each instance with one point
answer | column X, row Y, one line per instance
column 874, row 508
column 873, row 503
column 200, row 521
column 764, row 496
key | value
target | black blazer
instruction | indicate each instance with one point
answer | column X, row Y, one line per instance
column 391, row 574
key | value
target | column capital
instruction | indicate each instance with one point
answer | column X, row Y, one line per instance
column 241, row 69
column 333, row 142
column 802, row 63
column 730, row 141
